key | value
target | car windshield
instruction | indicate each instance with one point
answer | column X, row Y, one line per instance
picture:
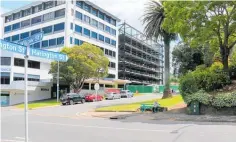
column 123, row 91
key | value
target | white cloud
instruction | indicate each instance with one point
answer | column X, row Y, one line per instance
column 129, row 11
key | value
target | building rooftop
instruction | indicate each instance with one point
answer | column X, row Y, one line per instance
column 40, row 1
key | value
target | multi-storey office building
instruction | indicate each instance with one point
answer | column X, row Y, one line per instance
column 140, row 58
column 64, row 23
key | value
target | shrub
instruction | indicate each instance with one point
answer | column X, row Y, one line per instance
column 224, row 100
column 200, row 96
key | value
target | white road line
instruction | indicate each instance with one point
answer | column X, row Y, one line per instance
column 101, row 127
column 11, row 141
column 22, row 138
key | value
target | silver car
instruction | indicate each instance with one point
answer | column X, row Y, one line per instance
column 126, row 94
column 112, row 96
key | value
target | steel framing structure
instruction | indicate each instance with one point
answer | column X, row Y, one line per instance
column 140, row 58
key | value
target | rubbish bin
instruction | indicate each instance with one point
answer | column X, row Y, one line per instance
column 194, row 107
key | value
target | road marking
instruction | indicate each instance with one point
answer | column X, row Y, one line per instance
column 103, row 127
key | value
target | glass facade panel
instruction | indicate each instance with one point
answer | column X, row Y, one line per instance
column 36, row 20
column 60, row 13
column 59, row 27
column 78, row 29
column 78, row 15
column 48, row 16
column 25, row 23
column 86, row 32
column 15, row 26
column 47, row 30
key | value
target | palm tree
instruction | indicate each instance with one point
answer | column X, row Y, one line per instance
column 153, row 19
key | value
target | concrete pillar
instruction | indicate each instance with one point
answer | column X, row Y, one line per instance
column 89, row 86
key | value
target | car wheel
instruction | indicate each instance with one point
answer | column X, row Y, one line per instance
column 82, row 101
column 71, row 102
column 63, row 104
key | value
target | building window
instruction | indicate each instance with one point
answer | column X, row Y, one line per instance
column 26, row 12
column 36, row 45
column 5, row 61
column 77, row 41
column 36, row 20
column 71, row 26
column 15, row 38
column 101, row 15
column 71, row 40
column 15, row 26
column 47, row 30
column 24, row 35
column 86, row 19
column 110, row 53
column 113, row 32
column 107, row 40
column 78, row 15
column 79, row 4
column 86, row 32
column 33, row 77
column 25, row 23
column 108, row 29
column 7, row 38
column 101, row 38
column 37, row 8
column 16, row 16
column 94, row 11
column 112, row 65
column 101, row 26
column 94, row 35
column 113, row 42
column 86, row 7
column 7, row 28
column 34, row 64
column 108, row 19
column 113, row 22
column 59, row 27
column 5, row 78
column 48, row 16
column 60, row 13
column 60, row 40
column 45, row 44
column 35, row 31
column 18, row 77
column 60, row 2
column 106, row 51
column 19, row 62
column 94, row 23
column 114, row 54
column 78, row 29
column 52, row 42
column 8, row 18
column 48, row 5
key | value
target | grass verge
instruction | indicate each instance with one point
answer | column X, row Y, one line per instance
column 134, row 106
column 39, row 104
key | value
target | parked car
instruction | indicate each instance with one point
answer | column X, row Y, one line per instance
column 112, row 96
column 126, row 94
column 72, row 98
column 93, row 97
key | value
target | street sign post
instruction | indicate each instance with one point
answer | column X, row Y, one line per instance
column 23, row 47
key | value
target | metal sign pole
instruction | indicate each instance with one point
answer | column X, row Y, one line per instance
column 26, row 95
column 58, row 81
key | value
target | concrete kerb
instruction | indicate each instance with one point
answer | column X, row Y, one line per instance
column 15, row 108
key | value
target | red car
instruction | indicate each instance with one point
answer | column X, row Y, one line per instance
column 92, row 98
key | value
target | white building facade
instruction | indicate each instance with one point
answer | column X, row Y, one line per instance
column 64, row 23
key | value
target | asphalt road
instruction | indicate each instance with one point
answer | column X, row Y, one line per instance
column 52, row 128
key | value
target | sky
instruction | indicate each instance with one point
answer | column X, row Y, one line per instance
column 129, row 11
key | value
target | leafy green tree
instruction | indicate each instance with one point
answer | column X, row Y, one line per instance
column 153, row 19
column 84, row 62
column 204, row 22
column 186, row 58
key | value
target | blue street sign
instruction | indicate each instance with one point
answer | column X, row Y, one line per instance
column 13, row 47
column 31, row 40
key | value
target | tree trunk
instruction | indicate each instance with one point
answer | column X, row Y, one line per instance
column 225, row 55
column 167, row 91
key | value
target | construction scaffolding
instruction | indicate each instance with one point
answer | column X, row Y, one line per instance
column 140, row 58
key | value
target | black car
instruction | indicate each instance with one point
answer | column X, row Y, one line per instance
column 72, row 98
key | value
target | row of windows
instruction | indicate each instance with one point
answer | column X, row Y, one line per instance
column 94, row 35
column 52, row 42
column 31, row 64
column 106, row 51
column 96, row 12
column 32, row 10
column 45, row 30
column 95, row 23
column 35, row 20
column 5, row 77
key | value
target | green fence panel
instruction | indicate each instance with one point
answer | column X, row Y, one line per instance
column 173, row 87
column 140, row 88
